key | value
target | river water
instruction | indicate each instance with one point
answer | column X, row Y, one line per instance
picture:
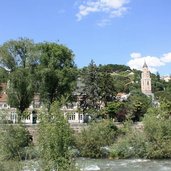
column 123, row 165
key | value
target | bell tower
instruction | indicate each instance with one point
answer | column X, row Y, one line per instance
column 145, row 80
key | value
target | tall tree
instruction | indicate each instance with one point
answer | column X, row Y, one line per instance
column 57, row 72
column 91, row 79
column 19, row 57
column 20, row 90
column 99, row 88
column 107, row 87
column 18, row 53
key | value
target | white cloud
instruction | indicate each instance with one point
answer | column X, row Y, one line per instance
column 153, row 62
column 113, row 8
column 166, row 58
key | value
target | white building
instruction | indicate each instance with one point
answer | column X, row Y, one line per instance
column 166, row 78
column 146, row 80
column 72, row 112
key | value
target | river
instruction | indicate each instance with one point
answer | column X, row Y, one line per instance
column 123, row 165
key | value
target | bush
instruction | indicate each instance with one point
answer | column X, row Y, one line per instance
column 154, row 141
column 157, row 127
column 55, row 140
column 131, row 145
column 94, row 140
column 10, row 166
column 14, row 141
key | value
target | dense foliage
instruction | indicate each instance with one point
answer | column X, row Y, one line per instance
column 56, row 72
column 18, row 58
column 153, row 140
column 55, row 139
column 15, row 140
column 95, row 140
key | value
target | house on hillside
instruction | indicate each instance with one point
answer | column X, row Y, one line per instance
column 122, row 97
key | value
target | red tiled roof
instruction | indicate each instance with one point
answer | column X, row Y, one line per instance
column 3, row 97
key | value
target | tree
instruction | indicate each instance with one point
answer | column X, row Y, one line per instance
column 14, row 141
column 99, row 89
column 55, row 139
column 20, row 90
column 18, row 53
column 19, row 58
column 57, row 72
column 107, row 87
column 137, row 105
column 116, row 110
column 91, row 89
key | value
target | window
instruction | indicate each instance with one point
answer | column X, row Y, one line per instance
column 80, row 117
column 73, row 117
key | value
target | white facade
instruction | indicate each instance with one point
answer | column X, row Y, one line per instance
column 71, row 111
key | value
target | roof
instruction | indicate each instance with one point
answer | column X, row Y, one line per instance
column 145, row 65
column 3, row 97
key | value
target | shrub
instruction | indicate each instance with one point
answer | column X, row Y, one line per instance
column 94, row 140
column 131, row 145
column 157, row 127
column 13, row 142
column 55, row 139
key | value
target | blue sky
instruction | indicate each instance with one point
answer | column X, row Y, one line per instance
column 125, row 32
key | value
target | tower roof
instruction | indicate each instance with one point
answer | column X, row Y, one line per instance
column 145, row 65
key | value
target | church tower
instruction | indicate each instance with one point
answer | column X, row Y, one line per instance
column 145, row 80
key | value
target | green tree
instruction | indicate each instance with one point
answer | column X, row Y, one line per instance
column 18, row 53
column 116, row 110
column 99, row 88
column 19, row 57
column 14, row 141
column 57, row 72
column 91, row 89
column 137, row 105
column 20, row 90
column 107, row 87
column 55, row 139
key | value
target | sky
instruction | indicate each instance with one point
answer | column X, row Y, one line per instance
column 126, row 32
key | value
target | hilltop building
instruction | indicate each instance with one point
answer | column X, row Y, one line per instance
column 166, row 78
column 145, row 80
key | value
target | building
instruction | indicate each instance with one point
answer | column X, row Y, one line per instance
column 166, row 78
column 9, row 114
column 72, row 112
column 122, row 97
column 146, row 80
